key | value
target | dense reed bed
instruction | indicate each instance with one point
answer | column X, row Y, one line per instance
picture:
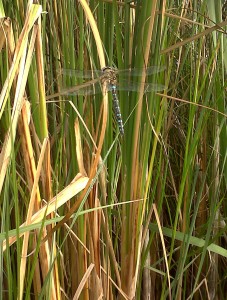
column 85, row 212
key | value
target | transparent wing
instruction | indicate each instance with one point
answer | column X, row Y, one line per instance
column 138, row 72
column 123, row 73
column 96, row 88
column 82, row 90
column 148, row 87
column 81, row 73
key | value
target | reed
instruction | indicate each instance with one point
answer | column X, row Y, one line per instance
column 86, row 213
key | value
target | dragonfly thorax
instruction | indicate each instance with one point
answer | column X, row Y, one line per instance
column 109, row 75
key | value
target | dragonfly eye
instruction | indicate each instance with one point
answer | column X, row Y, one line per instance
column 106, row 68
column 109, row 72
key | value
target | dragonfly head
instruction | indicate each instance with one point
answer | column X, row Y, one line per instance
column 109, row 75
column 107, row 68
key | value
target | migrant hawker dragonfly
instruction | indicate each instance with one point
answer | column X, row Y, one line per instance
column 110, row 75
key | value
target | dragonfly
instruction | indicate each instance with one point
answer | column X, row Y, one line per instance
column 109, row 75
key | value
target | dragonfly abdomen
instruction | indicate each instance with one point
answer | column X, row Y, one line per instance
column 116, row 108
